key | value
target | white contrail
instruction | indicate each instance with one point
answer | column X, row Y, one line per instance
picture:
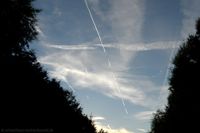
column 86, row 3
column 84, row 68
column 166, row 74
column 118, row 89
column 124, row 106
column 104, row 50
column 69, row 85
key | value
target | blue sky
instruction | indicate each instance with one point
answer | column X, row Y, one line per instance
column 117, row 65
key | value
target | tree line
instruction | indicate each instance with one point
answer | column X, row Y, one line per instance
column 30, row 100
column 182, row 112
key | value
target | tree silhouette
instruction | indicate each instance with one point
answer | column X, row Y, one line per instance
column 30, row 100
column 182, row 113
column 102, row 131
column 18, row 21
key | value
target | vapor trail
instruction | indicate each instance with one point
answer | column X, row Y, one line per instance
column 118, row 89
column 104, row 50
column 84, row 68
column 69, row 85
column 167, row 72
column 124, row 106
column 86, row 3
column 168, row 66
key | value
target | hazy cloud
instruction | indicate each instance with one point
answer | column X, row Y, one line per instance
column 86, row 70
column 109, row 129
column 142, row 130
column 97, row 118
column 71, row 47
column 128, row 47
column 57, row 11
column 145, row 115
column 40, row 32
column 124, row 16
column 99, row 80
column 190, row 9
column 84, row 66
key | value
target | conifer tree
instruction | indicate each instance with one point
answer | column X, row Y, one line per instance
column 182, row 112
column 30, row 100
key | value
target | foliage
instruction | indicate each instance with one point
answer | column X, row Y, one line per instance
column 102, row 131
column 182, row 112
column 18, row 21
column 29, row 99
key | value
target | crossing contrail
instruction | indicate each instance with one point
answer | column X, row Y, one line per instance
column 106, row 55
column 69, row 85
column 166, row 74
column 118, row 89
column 95, row 26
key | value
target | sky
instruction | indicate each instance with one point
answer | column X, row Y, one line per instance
column 114, row 55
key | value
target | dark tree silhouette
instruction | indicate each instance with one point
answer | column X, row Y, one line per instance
column 182, row 113
column 30, row 100
column 102, row 131
column 17, row 24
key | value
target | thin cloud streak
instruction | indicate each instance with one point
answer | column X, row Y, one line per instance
column 106, row 55
column 117, row 86
column 142, row 130
column 125, row 17
column 190, row 10
column 164, row 86
column 97, row 118
column 69, row 85
column 74, row 62
column 97, row 31
column 109, row 129
column 128, row 47
column 41, row 33
column 145, row 115
column 99, row 81
column 145, row 46
column 70, row 47
column 83, row 67
column 70, row 66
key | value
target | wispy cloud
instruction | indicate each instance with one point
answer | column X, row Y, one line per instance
column 128, row 47
column 40, row 32
column 190, row 9
column 71, row 47
column 109, row 129
column 124, row 16
column 96, row 118
column 83, row 65
column 100, row 81
column 87, row 69
column 106, row 55
column 145, row 115
column 95, row 27
column 126, row 19
column 142, row 130
column 100, row 124
column 57, row 11
column 146, row 46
